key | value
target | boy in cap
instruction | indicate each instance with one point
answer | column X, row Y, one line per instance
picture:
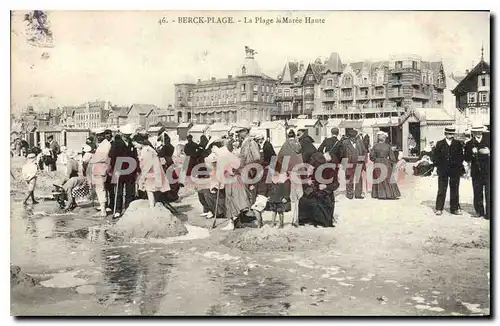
column 448, row 159
column 29, row 173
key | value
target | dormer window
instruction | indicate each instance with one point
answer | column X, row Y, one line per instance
column 243, row 70
column 329, row 82
column 310, row 77
column 398, row 64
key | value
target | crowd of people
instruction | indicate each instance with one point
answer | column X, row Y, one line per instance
column 121, row 168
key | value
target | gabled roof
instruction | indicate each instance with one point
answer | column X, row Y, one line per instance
column 289, row 71
column 334, row 64
column 143, row 108
column 478, row 69
column 317, row 70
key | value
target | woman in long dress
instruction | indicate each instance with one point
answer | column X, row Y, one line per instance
column 152, row 178
column 383, row 157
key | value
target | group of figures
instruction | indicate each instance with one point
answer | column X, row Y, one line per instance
column 118, row 169
column 300, row 178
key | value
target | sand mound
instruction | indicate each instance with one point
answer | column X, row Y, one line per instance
column 273, row 239
column 141, row 221
column 18, row 277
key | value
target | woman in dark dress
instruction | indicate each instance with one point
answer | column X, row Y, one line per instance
column 382, row 154
column 166, row 153
column 317, row 204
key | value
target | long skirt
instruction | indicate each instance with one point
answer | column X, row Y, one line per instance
column 386, row 188
column 238, row 197
column 209, row 200
column 317, row 209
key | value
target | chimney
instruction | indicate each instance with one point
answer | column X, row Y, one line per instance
column 199, row 81
column 230, row 77
column 466, row 71
column 213, row 79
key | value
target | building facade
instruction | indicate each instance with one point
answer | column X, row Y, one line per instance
column 359, row 90
column 472, row 94
column 249, row 95
column 92, row 115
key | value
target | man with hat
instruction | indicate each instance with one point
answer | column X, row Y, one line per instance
column 354, row 151
column 331, row 146
column 99, row 169
column 307, row 145
column 448, row 159
column 122, row 148
column 55, row 150
column 477, row 154
column 249, row 153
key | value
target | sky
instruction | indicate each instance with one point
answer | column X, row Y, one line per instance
column 127, row 57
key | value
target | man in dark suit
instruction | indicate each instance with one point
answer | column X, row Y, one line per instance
column 122, row 148
column 331, row 146
column 307, row 144
column 267, row 152
column 477, row 153
column 355, row 152
column 448, row 159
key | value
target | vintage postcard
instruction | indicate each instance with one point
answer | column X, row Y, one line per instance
column 240, row 163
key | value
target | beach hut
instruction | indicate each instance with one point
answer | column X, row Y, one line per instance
column 219, row 129
column 274, row 130
column 155, row 131
column 312, row 126
column 75, row 139
column 170, row 126
column 198, row 130
column 182, row 130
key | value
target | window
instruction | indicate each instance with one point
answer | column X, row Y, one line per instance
column 329, row 94
column 309, row 90
column 379, row 105
column 267, row 89
column 179, row 93
column 243, row 70
column 255, row 98
column 483, row 97
column 398, row 65
column 263, row 89
column 296, row 91
column 255, row 88
column 379, row 92
column 471, row 98
column 243, row 88
column 286, row 106
column 329, row 82
column 472, row 111
column 365, row 81
column 414, row 65
column 484, row 111
column 347, row 80
column 279, row 90
column 483, row 81
column 287, row 92
column 310, row 77
column 346, row 93
column 243, row 98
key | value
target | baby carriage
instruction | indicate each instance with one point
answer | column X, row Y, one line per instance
column 79, row 193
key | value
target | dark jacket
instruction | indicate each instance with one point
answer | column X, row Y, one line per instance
column 291, row 148
column 267, row 152
column 353, row 154
column 191, row 149
column 120, row 149
column 308, row 148
column 277, row 191
column 331, row 146
column 480, row 163
column 449, row 159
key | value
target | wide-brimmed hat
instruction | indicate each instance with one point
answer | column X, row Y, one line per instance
column 213, row 140
column 450, row 130
column 99, row 131
column 31, row 155
column 243, row 125
column 128, row 129
column 86, row 149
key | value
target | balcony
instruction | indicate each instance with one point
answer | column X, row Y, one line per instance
column 329, row 99
column 420, row 95
column 297, row 97
column 378, row 96
column 396, row 94
column 362, row 97
column 396, row 82
column 346, row 86
column 309, row 97
column 364, row 85
column 326, row 88
column 345, row 97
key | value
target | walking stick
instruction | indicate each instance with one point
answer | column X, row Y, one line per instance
column 216, row 205
column 116, row 195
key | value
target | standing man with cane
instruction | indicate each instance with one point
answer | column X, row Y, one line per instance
column 100, row 166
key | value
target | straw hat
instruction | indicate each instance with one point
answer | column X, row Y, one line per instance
column 99, row 131
column 450, row 130
column 478, row 127
column 243, row 125
column 128, row 129
column 31, row 156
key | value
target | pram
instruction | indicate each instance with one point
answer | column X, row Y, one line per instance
column 423, row 167
column 79, row 194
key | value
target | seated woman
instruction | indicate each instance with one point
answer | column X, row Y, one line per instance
column 424, row 166
column 317, row 204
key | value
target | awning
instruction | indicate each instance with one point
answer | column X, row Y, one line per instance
column 355, row 124
column 386, row 122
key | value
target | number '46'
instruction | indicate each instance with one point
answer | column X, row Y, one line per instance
column 162, row 21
